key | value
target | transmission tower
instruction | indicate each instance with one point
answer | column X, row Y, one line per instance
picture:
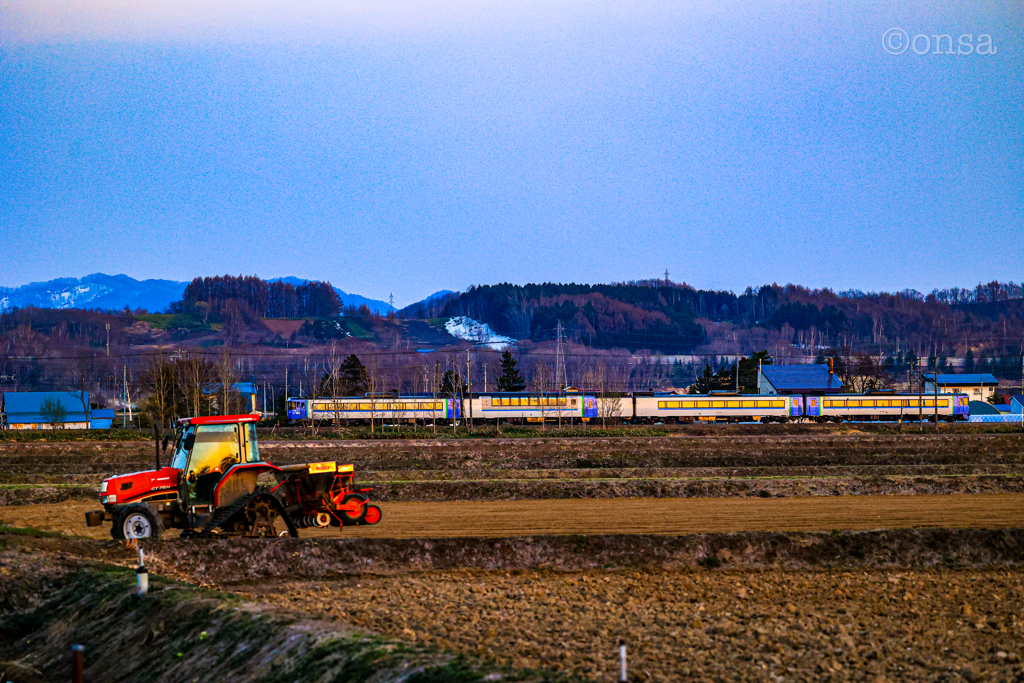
column 391, row 299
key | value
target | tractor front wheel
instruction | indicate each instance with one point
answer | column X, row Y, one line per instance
column 137, row 521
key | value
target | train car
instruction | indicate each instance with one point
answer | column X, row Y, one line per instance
column 615, row 408
column 874, row 407
column 522, row 407
column 386, row 408
column 720, row 406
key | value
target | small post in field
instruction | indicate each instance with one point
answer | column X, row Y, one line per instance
column 77, row 662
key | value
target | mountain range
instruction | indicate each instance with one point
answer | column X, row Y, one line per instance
column 114, row 292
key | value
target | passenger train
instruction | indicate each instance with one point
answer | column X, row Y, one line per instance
column 574, row 407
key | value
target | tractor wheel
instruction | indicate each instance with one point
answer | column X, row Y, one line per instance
column 373, row 515
column 348, row 517
column 137, row 521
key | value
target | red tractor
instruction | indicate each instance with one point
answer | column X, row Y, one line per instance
column 217, row 484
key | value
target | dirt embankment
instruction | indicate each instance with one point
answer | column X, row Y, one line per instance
column 908, row 606
column 179, row 633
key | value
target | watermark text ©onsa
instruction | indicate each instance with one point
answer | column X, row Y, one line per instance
column 896, row 41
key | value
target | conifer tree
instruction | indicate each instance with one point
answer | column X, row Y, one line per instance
column 510, row 379
column 451, row 384
column 353, row 376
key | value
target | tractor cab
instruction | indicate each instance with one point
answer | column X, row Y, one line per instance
column 207, row 448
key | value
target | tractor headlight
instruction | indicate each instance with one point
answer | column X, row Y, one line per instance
column 103, row 486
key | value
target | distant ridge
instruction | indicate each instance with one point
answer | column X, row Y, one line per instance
column 106, row 292
column 114, row 292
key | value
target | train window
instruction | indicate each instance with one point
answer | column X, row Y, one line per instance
column 718, row 404
column 732, row 404
column 943, row 403
column 686, row 404
column 662, row 405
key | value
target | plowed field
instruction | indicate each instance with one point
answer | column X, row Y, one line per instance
column 667, row 516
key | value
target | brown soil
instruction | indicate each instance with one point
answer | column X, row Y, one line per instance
column 898, row 605
column 669, row 516
column 735, row 625
column 504, row 469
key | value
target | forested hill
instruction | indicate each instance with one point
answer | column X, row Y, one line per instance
column 637, row 315
column 252, row 297
column 667, row 317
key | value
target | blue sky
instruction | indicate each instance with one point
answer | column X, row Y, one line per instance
column 412, row 146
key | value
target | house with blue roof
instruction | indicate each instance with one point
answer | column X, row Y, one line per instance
column 797, row 379
column 1016, row 404
column 978, row 386
column 45, row 409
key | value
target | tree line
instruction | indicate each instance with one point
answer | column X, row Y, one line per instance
column 217, row 297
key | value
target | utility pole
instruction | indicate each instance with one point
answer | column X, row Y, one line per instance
column 108, row 339
column 286, row 383
column 560, row 369
column 469, row 380
column 485, row 376
column 920, row 395
column 936, row 394
column 433, row 389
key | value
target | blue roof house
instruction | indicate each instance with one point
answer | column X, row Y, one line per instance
column 797, row 379
column 979, row 386
column 25, row 409
column 1017, row 404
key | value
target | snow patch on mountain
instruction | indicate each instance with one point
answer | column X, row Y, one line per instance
column 481, row 334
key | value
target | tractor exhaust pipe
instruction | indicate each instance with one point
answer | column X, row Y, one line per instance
column 157, row 429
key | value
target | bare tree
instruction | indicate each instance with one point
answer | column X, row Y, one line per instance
column 158, row 379
column 54, row 412
column 610, row 403
column 193, row 376
column 541, row 379
column 226, row 374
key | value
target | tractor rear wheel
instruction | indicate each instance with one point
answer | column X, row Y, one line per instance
column 137, row 521
column 349, row 517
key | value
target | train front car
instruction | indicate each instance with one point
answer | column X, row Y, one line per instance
column 298, row 409
column 718, row 407
column 886, row 407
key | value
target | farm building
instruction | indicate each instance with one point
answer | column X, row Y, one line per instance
column 1017, row 404
column 797, row 379
column 978, row 386
column 46, row 409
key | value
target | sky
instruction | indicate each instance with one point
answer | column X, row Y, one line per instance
column 408, row 146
